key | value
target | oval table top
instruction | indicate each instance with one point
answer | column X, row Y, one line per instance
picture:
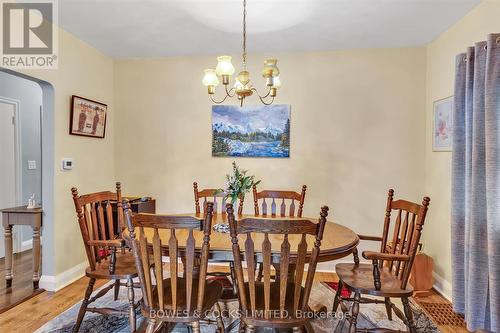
column 338, row 241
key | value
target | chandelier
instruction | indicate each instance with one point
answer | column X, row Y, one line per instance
column 242, row 86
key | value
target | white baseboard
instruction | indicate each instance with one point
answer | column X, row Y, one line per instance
column 442, row 286
column 59, row 281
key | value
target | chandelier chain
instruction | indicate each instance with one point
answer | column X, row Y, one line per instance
column 244, row 34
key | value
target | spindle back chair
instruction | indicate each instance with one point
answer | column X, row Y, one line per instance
column 275, row 303
column 101, row 241
column 183, row 296
column 279, row 195
column 216, row 196
column 388, row 274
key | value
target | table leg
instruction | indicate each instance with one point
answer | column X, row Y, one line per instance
column 36, row 256
column 8, row 256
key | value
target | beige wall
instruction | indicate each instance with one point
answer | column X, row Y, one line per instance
column 357, row 128
column 441, row 53
column 86, row 72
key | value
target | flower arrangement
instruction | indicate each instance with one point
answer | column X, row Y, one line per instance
column 238, row 184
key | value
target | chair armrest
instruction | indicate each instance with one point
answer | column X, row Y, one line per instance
column 370, row 238
column 370, row 255
column 109, row 243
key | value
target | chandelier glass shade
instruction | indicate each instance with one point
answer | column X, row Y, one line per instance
column 242, row 86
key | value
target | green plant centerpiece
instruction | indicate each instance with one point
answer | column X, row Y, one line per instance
column 238, row 184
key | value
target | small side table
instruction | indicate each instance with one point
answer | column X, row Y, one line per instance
column 22, row 216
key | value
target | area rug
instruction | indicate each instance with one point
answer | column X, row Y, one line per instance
column 321, row 298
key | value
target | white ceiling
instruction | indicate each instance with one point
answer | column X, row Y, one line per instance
column 155, row 28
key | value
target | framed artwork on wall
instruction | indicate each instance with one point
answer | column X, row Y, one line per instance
column 251, row 131
column 87, row 117
column 442, row 133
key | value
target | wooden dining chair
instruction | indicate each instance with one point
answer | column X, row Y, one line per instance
column 275, row 195
column 279, row 195
column 387, row 276
column 219, row 204
column 213, row 195
column 181, row 297
column 101, row 242
column 275, row 304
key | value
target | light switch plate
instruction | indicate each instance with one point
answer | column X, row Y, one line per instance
column 31, row 165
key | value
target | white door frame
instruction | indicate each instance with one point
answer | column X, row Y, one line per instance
column 16, row 104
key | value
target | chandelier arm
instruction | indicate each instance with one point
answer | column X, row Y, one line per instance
column 228, row 91
column 261, row 97
column 218, row 102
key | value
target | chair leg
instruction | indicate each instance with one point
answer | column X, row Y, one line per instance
column 354, row 313
column 409, row 315
column 117, row 289
column 388, row 308
column 131, row 306
column 220, row 323
column 338, row 296
column 195, row 325
column 233, row 277
column 83, row 307
column 151, row 326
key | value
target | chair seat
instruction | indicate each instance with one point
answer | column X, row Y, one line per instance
column 360, row 278
column 213, row 291
column 124, row 268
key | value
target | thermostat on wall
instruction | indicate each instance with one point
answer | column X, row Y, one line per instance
column 67, row 164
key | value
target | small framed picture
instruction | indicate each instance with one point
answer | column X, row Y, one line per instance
column 88, row 117
column 442, row 139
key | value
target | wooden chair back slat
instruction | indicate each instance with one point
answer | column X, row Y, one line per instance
column 213, row 195
column 190, row 245
column 395, row 237
column 273, row 208
column 406, row 234
column 157, row 255
column 402, row 241
column 174, row 266
column 283, row 195
column 109, row 218
column 140, row 246
column 250, row 259
column 266, row 259
column 299, row 271
column 96, row 222
column 102, row 223
column 145, row 266
column 289, row 291
column 284, row 261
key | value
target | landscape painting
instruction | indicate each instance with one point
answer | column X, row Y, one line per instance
column 251, row 131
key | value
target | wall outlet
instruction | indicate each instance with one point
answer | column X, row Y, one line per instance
column 31, row 165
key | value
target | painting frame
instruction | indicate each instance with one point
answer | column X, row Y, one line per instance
column 84, row 128
column 442, row 128
column 251, row 131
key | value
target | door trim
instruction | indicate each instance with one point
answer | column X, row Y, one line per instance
column 16, row 104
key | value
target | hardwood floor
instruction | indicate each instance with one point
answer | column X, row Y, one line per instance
column 22, row 286
column 32, row 314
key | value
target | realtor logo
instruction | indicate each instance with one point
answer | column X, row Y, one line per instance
column 29, row 34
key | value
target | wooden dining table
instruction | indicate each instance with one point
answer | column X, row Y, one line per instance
column 338, row 241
